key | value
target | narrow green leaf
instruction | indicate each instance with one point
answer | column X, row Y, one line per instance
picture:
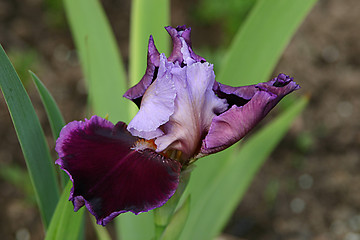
column 101, row 232
column 164, row 214
column 148, row 17
column 31, row 138
column 55, row 117
column 261, row 40
column 226, row 186
column 100, row 58
column 135, row 227
column 65, row 224
column 177, row 223
column 56, row 120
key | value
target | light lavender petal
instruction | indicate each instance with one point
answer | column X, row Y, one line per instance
column 158, row 104
column 153, row 60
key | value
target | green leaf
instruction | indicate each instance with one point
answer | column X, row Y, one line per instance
column 227, row 183
column 65, row 224
column 176, row 225
column 31, row 138
column 52, row 110
column 56, row 120
column 101, row 232
column 133, row 227
column 164, row 214
column 148, row 17
column 100, row 58
column 260, row 41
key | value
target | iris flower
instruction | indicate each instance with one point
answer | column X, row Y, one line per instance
column 184, row 114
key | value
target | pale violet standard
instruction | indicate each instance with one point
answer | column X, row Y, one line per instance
column 184, row 114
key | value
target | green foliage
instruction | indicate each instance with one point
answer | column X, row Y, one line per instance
column 100, row 58
column 66, row 224
column 261, row 40
column 230, row 14
column 148, row 17
column 56, row 120
column 31, row 138
column 178, row 221
column 101, row 232
column 164, row 218
column 228, row 176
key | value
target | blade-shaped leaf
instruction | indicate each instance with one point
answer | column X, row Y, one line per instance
column 101, row 232
column 135, row 227
column 148, row 17
column 55, row 117
column 56, row 120
column 225, row 186
column 65, row 224
column 260, row 41
column 177, row 223
column 100, row 58
column 31, row 138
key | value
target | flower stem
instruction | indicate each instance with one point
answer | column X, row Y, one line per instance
column 164, row 214
column 159, row 231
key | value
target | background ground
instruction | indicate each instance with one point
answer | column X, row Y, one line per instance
column 308, row 188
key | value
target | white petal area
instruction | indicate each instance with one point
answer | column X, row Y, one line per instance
column 157, row 105
column 186, row 53
column 195, row 107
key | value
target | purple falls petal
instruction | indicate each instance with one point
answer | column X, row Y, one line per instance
column 110, row 176
column 249, row 105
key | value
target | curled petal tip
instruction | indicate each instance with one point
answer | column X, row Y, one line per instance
column 282, row 80
column 136, row 92
column 248, row 105
column 181, row 37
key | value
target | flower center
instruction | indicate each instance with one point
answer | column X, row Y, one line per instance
column 143, row 144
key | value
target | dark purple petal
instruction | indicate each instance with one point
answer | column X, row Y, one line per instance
column 153, row 60
column 110, row 176
column 247, row 106
column 238, row 96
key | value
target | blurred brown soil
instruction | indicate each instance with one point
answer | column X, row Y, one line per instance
column 307, row 189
